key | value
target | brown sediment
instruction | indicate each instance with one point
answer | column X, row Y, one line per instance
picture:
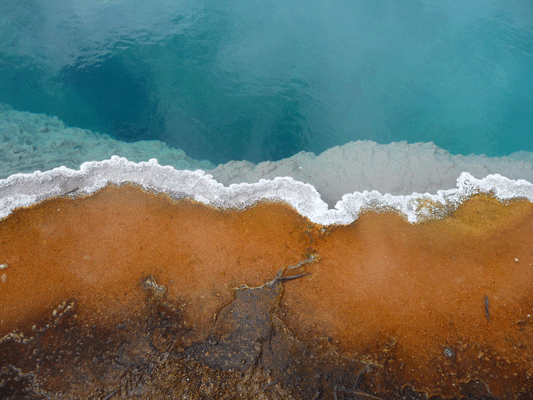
column 136, row 287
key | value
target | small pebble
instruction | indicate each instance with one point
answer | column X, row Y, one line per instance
column 4, row 266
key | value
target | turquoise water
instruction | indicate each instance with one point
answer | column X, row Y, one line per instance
column 263, row 80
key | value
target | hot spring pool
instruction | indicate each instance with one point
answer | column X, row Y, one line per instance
column 240, row 80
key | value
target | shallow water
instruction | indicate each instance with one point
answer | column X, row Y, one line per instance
column 236, row 79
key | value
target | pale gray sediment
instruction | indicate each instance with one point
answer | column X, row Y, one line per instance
column 396, row 168
column 22, row 190
column 344, row 179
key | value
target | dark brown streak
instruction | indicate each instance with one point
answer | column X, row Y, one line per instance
column 288, row 278
column 487, row 313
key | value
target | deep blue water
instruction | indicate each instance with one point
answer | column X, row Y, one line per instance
column 262, row 80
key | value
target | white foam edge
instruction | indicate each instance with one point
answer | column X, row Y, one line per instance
column 23, row 190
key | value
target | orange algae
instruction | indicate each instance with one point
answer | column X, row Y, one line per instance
column 97, row 250
column 432, row 305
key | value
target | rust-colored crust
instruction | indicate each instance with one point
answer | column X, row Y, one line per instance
column 436, row 307
column 432, row 304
